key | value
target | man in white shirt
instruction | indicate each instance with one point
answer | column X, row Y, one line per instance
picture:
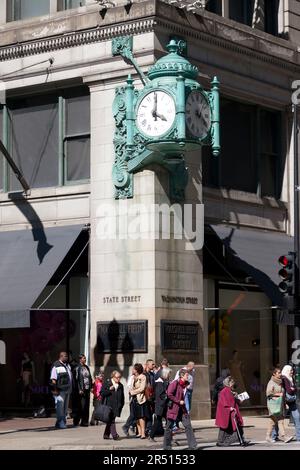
column 61, row 380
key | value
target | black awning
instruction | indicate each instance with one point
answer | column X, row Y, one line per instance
column 256, row 253
column 28, row 260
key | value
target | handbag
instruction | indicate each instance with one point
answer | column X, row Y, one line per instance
column 103, row 413
column 290, row 398
column 149, row 392
column 275, row 406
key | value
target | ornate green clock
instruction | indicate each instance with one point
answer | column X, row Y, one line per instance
column 155, row 113
column 172, row 114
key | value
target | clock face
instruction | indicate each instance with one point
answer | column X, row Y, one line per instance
column 156, row 113
column 197, row 114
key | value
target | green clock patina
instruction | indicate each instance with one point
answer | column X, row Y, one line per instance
column 171, row 115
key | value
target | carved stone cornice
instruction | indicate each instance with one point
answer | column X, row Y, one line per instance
column 74, row 39
column 220, row 43
column 156, row 16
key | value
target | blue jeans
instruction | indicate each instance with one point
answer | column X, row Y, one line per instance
column 188, row 400
column 296, row 418
column 275, row 432
column 61, row 407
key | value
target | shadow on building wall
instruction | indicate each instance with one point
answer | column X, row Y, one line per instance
column 115, row 353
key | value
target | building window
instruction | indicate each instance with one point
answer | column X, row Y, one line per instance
column 215, row 6
column 271, row 8
column 33, row 137
column 48, row 138
column 23, row 9
column 241, row 339
column 77, row 138
column 241, row 11
column 68, row 4
column 258, row 14
column 251, row 151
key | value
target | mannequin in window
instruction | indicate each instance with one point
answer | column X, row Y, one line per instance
column 236, row 371
column 27, row 376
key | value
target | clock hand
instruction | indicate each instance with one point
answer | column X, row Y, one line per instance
column 199, row 112
column 161, row 116
column 154, row 109
column 205, row 122
column 199, row 115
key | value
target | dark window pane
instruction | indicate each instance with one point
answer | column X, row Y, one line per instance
column 22, row 9
column 78, row 159
column 270, row 123
column 67, row 4
column 215, row 6
column 241, row 11
column 34, row 141
column 271, row 16
column 78, row 115
column 268, row 175
column 237, row 159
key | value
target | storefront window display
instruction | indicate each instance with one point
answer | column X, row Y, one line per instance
column 240, row 341
column 30, row 352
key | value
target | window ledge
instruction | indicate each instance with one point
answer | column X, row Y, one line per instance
column 242, row 196
column 46, row 193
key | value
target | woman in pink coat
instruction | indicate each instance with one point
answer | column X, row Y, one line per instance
column 228, row 415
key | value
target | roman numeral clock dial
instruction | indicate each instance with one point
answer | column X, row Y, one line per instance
column 155, row 113
column 197, row 114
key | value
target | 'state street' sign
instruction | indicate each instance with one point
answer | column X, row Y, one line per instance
column 122, row 336
column 122, row 299
column 180, row 335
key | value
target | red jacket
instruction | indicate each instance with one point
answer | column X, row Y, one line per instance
column 175, row 393
column 97, row 389
column 225, row 402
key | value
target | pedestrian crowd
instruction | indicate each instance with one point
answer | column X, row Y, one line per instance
column 155, row 402
column 158, row 404
column 281, row 400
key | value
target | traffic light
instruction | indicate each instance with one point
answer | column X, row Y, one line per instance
column 287, row 274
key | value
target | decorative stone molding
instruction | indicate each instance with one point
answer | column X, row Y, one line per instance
column 76, row 39
column 180, row 30
column 165, row 19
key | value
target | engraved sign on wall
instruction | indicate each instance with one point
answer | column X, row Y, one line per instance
column 180, row 335
column 122, row 336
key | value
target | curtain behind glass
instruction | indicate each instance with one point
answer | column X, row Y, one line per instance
column 22, row 9
column 78, row 115
column 78, row 159
column 34, row 143
column 68, row 4
column 77, row 143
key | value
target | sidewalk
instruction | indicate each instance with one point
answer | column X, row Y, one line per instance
column 40, row 434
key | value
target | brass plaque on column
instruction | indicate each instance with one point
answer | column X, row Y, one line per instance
column 179, row 335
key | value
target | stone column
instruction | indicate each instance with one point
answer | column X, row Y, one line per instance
column 137, row 277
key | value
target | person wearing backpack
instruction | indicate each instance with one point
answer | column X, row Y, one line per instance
column 61, row 385
column 290, row 396
column 177, row 411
